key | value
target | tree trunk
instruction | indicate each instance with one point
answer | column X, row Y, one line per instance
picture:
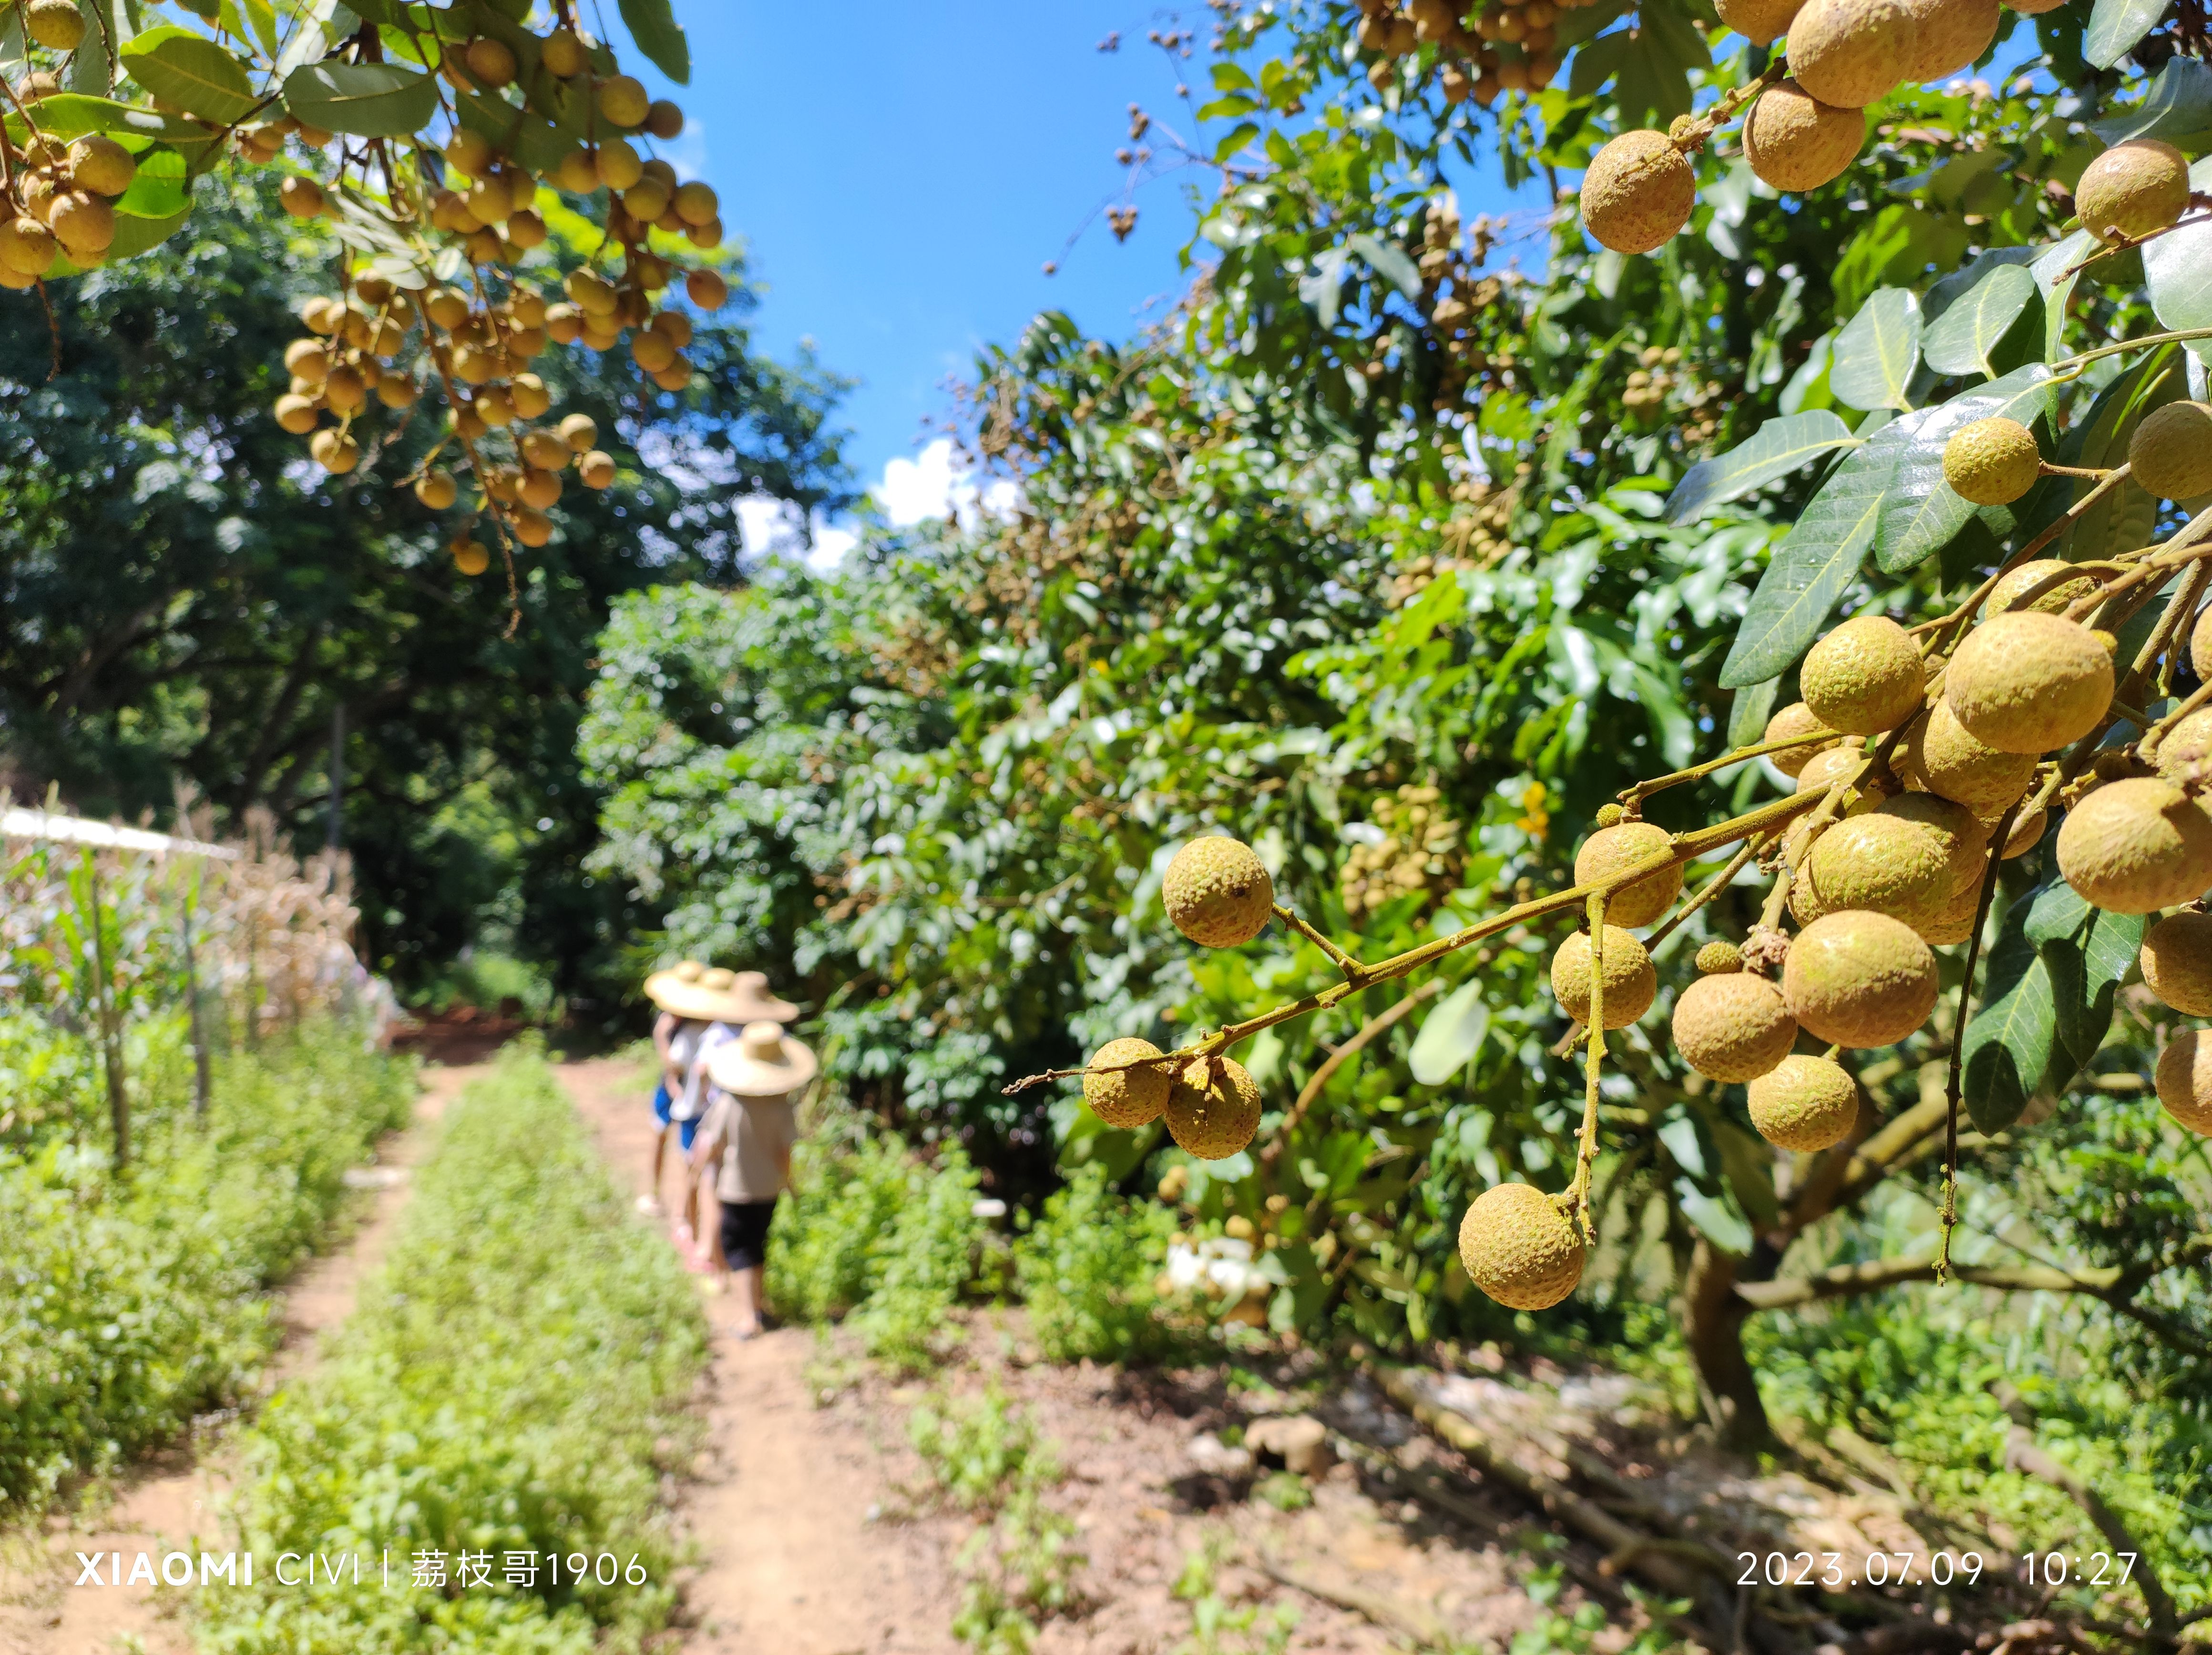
column 1715, row 1318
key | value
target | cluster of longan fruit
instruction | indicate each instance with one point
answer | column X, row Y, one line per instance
column 1802, row 132
column 1418, row 851
column 473, row 339
column 1471, row 36
column 60, row 204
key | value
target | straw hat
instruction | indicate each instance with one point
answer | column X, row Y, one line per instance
column 764, row 1061
column 715, row 996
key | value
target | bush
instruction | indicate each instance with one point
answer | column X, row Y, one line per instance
column 133, row 1302
column 502, row 1390
column 919, row 1267
column 1087, row 1270
column 841, row 1199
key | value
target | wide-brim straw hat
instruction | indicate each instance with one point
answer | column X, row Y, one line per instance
column 715, row 996
column 764, row 1061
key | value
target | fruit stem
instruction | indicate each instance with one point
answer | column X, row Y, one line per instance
column 1644, row 790
column 1586, row 1156
column 2097, row 473
column 2067, row 365
column 1353, row 970
column 1954, row 1086
column 1712, row 888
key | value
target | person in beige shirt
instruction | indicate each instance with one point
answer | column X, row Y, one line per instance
column 746, row 1135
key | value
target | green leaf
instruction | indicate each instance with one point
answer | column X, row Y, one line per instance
column 2056, row 287
column 1597, row 63
column 192, row 72
column 134, row 236
column 2087, row 953
column 1231, row 77
column 2178, row 266
column 2123, row 519
column 1922, row 513
column 2178, row 110
column 367, row 100
column 1877, row 351
column 1775, row 450
column 2117, row 25
column 1239, row 135
column 1450, row 1034
column 1960, row 339
column 1387, row 262
column 1748, row 713
column 2008, row 1039
column 1716, row 1218
column 159, row 190
column 659, row 36
column 1810, row 569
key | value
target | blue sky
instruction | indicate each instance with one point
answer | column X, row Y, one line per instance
column 900, row 173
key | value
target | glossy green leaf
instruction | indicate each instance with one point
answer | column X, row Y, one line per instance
column 1960, row 339
column 134, row 236
column 2115, row 25
column 1715, row 1217
column 2177, row 110
column 1450, row 1034
column 2178, row 266
column 1805, row 580
column 2009, row 1036
column 1387, row 262
column 2123, row 519
column 2055, row 278
column 1877, row 351
column 367, row 100
column 659, row 36
column 160, row 189
column 2087, row 953
column 1775, row 450
column 1921, row 512
column 1748, row 713
column 192, row 72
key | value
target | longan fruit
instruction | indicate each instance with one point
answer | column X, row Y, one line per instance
column 2171, row 453
column 2026, row 682
column 1125, row 1097
column 2132, row 189
column 1849, row 53
column 1991, row 462
column 1864, row 678
column 1637, row 192
column 1796, row 719
column 1520, row 1248
column 1857, row 978
column 2184, row 1079
column 1212, row 1108
column 1805, row 1104
column 2136, row 846
column 1630, row 982
column 1795, row 142
column 2177, row 962
column 1217, row 891
column 1733, row 1027
column 1611, row 851
column 437, row 490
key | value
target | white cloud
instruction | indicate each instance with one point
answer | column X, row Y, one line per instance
column 930, row 485
column 933, row 485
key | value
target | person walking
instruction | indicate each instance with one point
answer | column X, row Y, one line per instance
column 747, row 1137
column 669, row 1077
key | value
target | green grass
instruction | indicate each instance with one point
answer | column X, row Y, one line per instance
column 129, row 1304
column 515, row 1380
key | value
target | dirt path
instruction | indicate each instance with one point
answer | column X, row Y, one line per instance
column 174, row 1499
column 783, row 1512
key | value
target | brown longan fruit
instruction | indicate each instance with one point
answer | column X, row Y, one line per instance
column 1630, row 982
column 2133, row 188
column 1520, row 1248
column 1637, row 192
column 1828, row 766
column 1940, row 757
column 1850, row 52
column 2184, row 1078
column 2027, row 683
column 1717, row 959
column 1948, row 35
column 1212, row 1108
column 1864, row 678
column 83, row 224
column 2177, row 962
column 1760, row 21
column 2171, row 453
column 57, row 24
column 1611, row 851
column 1796, row 719
column 1125, row 1097
column 1733, row 1026
column 1217, row 891
column 1857, row 978
column 335, row 451
column 1805, row 1104
column 624, row 101
column 101, row 166
column 437, row 490
column 490, row 63
column 1882, row 864
column 596, row 469
column 471, row 557
column 2183, row 750
column 2136, row 846
column 296, row 413
column 563, row 54
column 1795, row 142
column 707, row 289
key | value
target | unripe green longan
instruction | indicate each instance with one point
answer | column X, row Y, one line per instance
column 1217, row 891
column 2171, row 453
column 1859, row 979
column 1631, row 983
column 2136, row 846
column 2184, row 1079
column 1850, row 52
column 1805, row 1104
column 2177, row 962
column 1613, row 849
column 1519, row 1248
column 1212, row 1108
column 1637, row 192
column 2024, row 682
column 1991, row 462
column 1125, row 1097
column 1864, row 678
column 1795, row 142
column 2132, row 189
column 1733, row 1027
column 2053, row 600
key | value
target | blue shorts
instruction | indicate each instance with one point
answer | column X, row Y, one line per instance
column 662, row 1103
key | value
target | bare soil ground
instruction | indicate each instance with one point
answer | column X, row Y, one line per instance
column 174, row 1499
